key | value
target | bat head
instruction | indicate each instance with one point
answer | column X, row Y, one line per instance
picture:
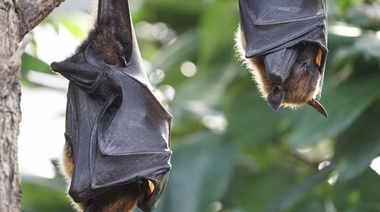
column 301, row 85
column 290, row 77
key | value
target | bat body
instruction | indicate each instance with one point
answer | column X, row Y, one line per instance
column 117, row 151
column 283, row 43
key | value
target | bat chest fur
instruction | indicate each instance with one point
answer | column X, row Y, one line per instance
column 300, row 86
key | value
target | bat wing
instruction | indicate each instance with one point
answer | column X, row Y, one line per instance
column 133, row 145
column 272, row 27
column 119, row 131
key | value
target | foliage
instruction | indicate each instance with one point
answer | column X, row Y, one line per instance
column 230, row 151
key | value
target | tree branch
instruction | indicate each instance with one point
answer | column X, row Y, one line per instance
column 32, row 12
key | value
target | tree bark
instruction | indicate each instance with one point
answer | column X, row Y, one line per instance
column 10, row 114
column 15, row 22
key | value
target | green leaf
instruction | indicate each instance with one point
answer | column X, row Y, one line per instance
column 368, row 45
column 251, row 121
column 255, row 190
column 33, row 63
column 365, row 16
column 179, row 14
column 357, row 146
column 345, row 4
column 285, row 199
column 344, row 104
column 184, row 47
column 202, row 168
column 70, row 21
column 358, row 194
column 217, row 41
column 43, row 198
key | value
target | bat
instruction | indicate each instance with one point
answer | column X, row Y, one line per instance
column 117, row 151
column 283, row 43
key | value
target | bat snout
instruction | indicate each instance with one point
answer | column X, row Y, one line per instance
column 275, row 98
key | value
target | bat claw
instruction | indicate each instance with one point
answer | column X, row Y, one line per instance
column 318, row 106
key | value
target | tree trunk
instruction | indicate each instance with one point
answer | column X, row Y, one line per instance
column 15, row 22
column 10, row 114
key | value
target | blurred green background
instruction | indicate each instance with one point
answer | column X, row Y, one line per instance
column 230, row 151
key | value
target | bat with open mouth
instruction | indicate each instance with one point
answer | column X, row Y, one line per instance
column 283, row 43
column 117, row 151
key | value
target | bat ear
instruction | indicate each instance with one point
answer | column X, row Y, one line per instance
column 275, row 98
column 316, row 105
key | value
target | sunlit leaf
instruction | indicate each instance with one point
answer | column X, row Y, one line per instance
column 365, row 16
column 183, row 48
column 33, row 63
column 70, row 21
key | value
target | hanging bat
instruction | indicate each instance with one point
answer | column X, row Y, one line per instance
column 117, row 151
column 283, row 43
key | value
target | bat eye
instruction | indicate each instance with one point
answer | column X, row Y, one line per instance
column 302, row 64
column 306, row 63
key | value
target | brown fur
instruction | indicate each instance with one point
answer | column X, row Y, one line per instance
column 108, row 45
column 300, row 87
column 119, row 199
column 67, row 168
column 301, row 84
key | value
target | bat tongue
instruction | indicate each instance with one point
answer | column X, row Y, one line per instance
column 279, row 64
